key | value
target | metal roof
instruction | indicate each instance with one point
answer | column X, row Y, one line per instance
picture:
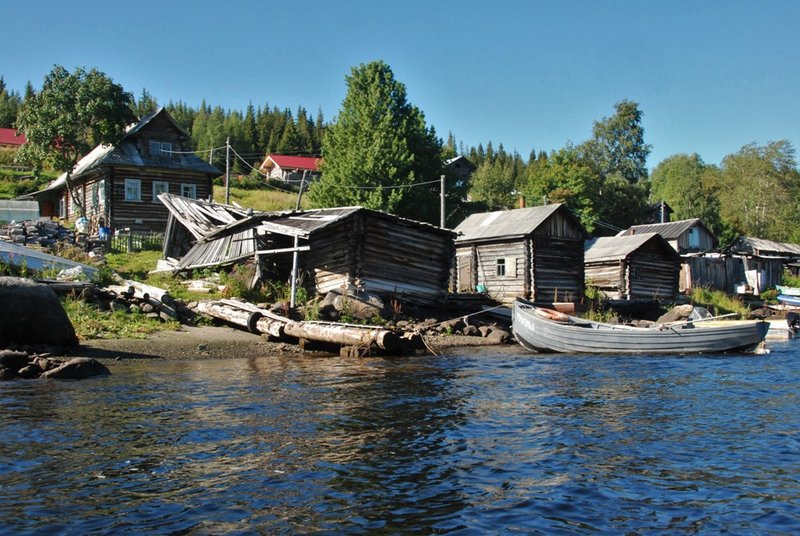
column 9, row 136
column 669, row 230
column 126, row 153
column 309, row 163
column 617, row 248
column 760, row 246
column 507, row 223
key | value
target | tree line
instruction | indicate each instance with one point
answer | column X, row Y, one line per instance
column 380, row 153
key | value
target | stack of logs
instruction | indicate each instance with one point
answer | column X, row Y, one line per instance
column 351, row 339
column 43, row 232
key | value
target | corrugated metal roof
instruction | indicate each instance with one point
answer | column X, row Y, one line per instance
column 505, row 223
column 669, row 230
column 617, row 248
column 200, row 217
column 295, row 162
column 760, row 246
column 9, row 136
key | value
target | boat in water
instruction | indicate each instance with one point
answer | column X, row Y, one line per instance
column 545, row 330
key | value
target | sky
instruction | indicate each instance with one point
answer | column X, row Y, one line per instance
column 709, row 76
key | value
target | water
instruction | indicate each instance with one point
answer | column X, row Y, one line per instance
column 493, row 441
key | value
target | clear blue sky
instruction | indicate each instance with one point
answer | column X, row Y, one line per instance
column 709, row 76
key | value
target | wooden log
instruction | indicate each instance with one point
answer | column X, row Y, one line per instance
column 346, row 335
column 233, row 315
column 140, row 290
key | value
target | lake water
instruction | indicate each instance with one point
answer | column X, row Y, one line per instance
column 489, row 441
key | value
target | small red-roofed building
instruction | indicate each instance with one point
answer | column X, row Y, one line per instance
column 10, row 138
column 291, row 169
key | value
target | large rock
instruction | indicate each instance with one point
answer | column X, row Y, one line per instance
column 676, row 314
column 31, row 314
column 13, row 360
column 77, row 369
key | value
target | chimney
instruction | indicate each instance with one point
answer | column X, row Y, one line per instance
column 522, row 201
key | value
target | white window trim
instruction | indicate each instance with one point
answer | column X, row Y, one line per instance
column 133, row 184
column 192, row 188
column 156, row 190
column 160, row 148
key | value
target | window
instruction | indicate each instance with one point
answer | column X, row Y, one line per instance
column 189, row 190
column 133, row 190
column 501, row 267
column 694, row 237
column 160, row 148
column 159, row 187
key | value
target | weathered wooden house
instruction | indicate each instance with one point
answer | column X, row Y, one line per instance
column 763, row 261
column 636, row 267
column 684, row 236
column 292, row 169
column 349, row 248
column 534, row 253
column 118, row 184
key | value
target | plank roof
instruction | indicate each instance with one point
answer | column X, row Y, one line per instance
column 669, row 230
column 760, row 246
column 618, row 248
column 513, row 223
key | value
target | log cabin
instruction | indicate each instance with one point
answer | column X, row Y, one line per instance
column 118, row 185
column 345, row 248
column 534, row 253
column 636, row 267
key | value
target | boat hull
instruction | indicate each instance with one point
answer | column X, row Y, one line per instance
column 575, row 335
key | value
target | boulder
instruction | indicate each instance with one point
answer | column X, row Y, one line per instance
column 676, row 314
column 499, row 336
column 77, row 369
column 357, row 308
column 13, row 360
column 36, row 317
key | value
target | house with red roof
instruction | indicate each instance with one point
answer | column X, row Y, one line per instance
column 10, row 138
column 291, row 169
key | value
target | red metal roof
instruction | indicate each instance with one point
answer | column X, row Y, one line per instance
column 8, row 136
column 295, row 162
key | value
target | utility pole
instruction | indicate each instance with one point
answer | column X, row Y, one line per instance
column 228, row 170
column 293, row 295
column 441, row 208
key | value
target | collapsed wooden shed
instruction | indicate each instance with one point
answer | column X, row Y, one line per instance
column 534, row 253
column 337, row 248
column 641, row 266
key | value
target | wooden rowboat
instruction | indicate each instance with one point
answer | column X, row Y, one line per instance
column 544, row 330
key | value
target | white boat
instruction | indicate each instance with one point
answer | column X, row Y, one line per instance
column 544, row 330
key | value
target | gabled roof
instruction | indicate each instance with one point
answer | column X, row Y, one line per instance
column 460, row 160
column 126, row 153
column 514, row 223
column 759, row 246
column 308, row 163
column 669, row 230
column 9, row 136
column 617, row 248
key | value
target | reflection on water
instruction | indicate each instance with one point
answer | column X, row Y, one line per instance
column 490, row 441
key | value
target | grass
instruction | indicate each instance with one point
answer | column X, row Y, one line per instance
column 265, row 199
column 718, row 302
column 90, row 323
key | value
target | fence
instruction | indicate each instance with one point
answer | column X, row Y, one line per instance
column 130, row 241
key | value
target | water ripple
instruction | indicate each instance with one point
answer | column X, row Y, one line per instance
column 488, row 442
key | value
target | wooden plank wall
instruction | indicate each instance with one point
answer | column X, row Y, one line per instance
column 147, row 214
column 608, row 277
column 716, row 273
column 652, row 274
column 502, row 288
column 383, row 256
column 558, row 271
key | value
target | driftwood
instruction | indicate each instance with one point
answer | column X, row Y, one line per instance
column 157, row 297
column 257, row 320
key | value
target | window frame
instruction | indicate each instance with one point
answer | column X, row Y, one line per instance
column 156, row 191
column 500, row 267
column 191, row 187
column 133, row 184
column 160, row 148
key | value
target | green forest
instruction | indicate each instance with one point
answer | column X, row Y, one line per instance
column 379, row 152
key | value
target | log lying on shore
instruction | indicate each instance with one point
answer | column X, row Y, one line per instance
column 257, row 320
